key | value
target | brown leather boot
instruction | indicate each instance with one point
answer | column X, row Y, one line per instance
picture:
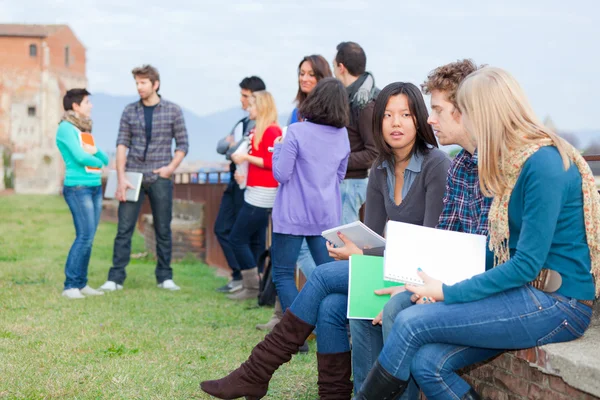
column 334, row 376
column 252, row 378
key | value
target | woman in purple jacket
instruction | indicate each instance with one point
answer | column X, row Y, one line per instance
column 308, row 201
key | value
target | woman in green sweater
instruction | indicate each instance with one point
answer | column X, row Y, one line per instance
column 82, row 188
column 545, row 215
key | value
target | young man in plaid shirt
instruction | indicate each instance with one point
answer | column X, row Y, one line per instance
column 146, row 133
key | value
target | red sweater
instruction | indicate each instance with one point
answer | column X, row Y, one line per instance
column 263, row 176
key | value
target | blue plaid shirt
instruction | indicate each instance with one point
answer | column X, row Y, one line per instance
column 167, row 124
column 465, row 207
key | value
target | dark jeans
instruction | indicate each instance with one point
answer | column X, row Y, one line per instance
column 160, row 194
column 249, row 232
column 85, row 203
column 231, row 203
column 285, row 250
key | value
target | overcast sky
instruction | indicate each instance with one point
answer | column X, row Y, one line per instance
column 203, row 48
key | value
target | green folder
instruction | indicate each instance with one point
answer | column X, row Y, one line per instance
column 366, row 276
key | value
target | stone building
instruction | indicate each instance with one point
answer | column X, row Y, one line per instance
column 38, row 64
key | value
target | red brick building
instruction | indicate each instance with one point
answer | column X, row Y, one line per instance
column 38, row 64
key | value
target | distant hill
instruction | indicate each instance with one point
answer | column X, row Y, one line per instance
column 204, row 132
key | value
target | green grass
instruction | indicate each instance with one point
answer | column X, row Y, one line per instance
column 139, row 343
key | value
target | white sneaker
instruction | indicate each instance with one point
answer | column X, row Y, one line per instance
column 169, row 285
column 73, row 294
column 88, row 291
column 110, row 286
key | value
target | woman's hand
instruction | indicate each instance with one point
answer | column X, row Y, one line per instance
column 239, row 158
column 431, row 291
column 392, row 291
column 90, row 149
column 239, row 178
column 278, row 140
column 343, row 253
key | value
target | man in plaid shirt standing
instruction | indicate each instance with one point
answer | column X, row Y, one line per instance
column 146, row 134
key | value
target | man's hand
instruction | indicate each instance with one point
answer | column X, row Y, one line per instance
column 239, row 158
column 122, row 186
column 343, row 253
column 430, row 292
column 392, row 291
column 164, row 172
column 90, row 149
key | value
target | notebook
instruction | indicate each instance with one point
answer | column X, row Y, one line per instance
column 135, row 178
column 87, row 138
column 360, row 234
column 448, row 256
column 366, row 276
column 242, row 168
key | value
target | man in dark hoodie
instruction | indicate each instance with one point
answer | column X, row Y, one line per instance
column 349, row 66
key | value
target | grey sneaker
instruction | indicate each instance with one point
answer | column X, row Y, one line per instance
column 231, row 286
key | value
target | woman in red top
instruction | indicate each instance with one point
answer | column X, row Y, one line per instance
column 253, row 218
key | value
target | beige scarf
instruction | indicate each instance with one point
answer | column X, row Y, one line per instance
column 82, row 123
column 498, row 215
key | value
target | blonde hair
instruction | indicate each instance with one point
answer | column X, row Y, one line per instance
column 266, row 114
column 500, row 117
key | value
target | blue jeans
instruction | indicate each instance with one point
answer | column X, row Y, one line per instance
column 305, row 260
column 323, row 302
column 367, row 343
column 231, row 203
column 160, row 193
column 519, row 318
column 85, row 203
column 248, row 233
column 285, row 250
column 354, row 195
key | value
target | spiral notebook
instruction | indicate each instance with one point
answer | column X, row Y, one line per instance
column 448, row 256
column 366, row 276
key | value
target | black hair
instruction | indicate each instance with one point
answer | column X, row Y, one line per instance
column 253, row 84
column 74, row 96
column 353, row 57
column 418, row 110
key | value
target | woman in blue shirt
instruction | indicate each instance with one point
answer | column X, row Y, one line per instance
column 545, row 215
column 82, row 188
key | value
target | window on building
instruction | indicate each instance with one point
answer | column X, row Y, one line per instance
column 67, row 56
column 31, row 111
column 33, row 50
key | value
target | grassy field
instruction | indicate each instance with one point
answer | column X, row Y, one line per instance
column 139, row 343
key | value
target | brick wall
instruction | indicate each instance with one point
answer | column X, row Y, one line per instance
column 188, row 238
column 519, row 375
column 38, row 82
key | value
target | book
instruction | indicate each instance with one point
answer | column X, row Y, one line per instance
column 242, row 168
column 87, row 138
column 445, row 255
column 366, row 276
column 360, row 234
column 135, row 178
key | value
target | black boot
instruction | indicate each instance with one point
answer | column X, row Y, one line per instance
column 471, row 395
column 381, row 385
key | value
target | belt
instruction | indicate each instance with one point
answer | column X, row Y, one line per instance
column 589, row 303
